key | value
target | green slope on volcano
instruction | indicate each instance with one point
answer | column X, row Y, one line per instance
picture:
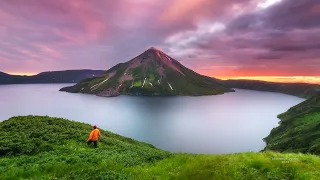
column 150, row 73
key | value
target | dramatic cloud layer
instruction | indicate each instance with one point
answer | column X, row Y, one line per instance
column 213, row 37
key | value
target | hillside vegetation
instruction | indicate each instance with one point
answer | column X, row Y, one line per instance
column 299, row 129
column 41, row 147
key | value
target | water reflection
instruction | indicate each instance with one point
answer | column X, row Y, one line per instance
column 233, row 122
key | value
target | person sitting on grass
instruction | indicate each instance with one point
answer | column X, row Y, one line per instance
column 94, row 136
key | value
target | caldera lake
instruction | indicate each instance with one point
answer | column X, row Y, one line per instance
column 229, row 123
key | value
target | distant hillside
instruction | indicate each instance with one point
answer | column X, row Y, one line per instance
column 303, row 90
column 68, row 76
column 299, row 129
column 151, row 73
column 3, row 74
column 41, row 147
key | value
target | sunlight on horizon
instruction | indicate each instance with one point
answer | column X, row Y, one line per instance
column 284, row 79
column 22, row 74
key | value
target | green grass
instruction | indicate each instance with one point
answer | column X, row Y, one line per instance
column 37, row 146
column 137, row 83
column 151, row 78
column 240, row 166
column 42, row 147
column 298, row 130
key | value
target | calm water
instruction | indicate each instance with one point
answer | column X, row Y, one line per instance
column 233, row 122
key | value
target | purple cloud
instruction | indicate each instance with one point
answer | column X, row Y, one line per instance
column 224, row 36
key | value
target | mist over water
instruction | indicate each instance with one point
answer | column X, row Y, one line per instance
column 228, row 123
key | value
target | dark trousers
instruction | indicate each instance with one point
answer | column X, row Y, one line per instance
column 95, row 143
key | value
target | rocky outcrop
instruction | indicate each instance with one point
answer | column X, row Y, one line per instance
column 109, row 93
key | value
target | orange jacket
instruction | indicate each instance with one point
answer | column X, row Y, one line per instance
column 94, row 135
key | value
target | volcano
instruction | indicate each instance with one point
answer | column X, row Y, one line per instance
column 151, row 73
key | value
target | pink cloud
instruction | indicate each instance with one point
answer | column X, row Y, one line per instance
column 225, row 36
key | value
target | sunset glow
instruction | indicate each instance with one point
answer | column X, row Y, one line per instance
column 21, row 74
column 219, row 38
column 286, row 79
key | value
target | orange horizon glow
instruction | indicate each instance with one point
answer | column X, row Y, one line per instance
column 22, row 74
column 283, row 79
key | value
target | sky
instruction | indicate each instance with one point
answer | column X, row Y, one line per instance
column 220, row 38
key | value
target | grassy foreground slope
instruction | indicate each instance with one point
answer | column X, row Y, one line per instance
column 299, row 129
column 41, row 147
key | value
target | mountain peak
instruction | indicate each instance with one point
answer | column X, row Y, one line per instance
column 160, row 59
column 151, row 73
column 154, row 48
